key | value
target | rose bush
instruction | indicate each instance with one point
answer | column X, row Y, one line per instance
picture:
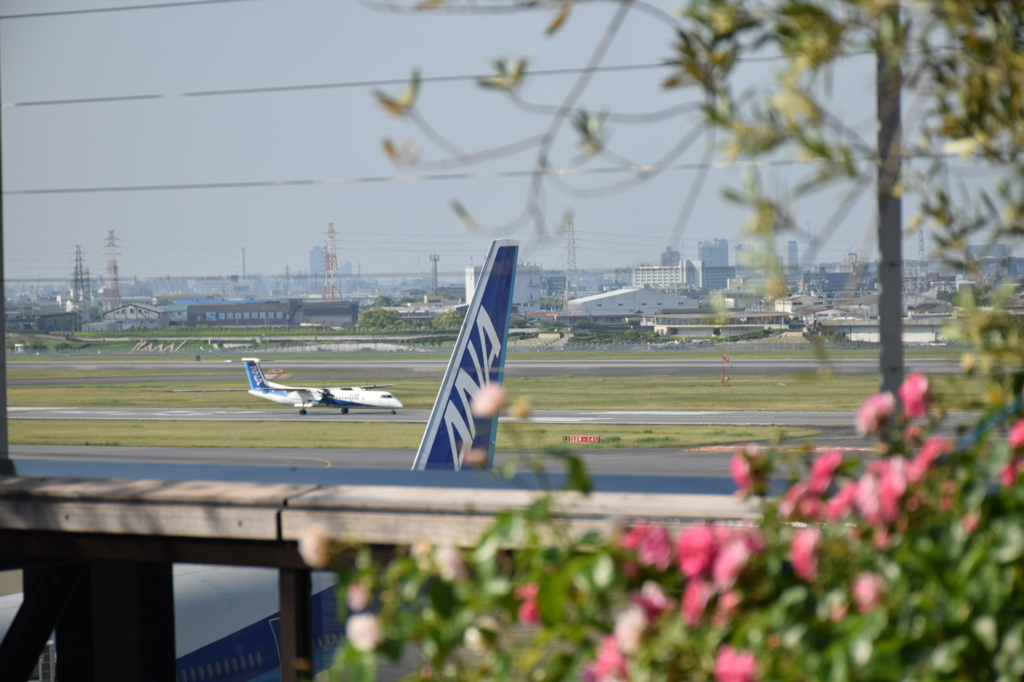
column 902, row 566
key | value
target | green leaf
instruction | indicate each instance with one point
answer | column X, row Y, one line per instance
column 442, row 597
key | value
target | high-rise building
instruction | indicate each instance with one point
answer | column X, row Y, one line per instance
column 669, row 257
column 317, row 261
column 791, row 258
column 714, row 253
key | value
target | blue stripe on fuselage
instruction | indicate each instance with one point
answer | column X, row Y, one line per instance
column 229, row 657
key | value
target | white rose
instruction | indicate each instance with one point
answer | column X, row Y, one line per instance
column 314, row 546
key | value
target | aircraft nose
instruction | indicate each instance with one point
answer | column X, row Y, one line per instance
column 398, row 403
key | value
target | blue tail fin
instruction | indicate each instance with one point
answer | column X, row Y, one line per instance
column 255, row 374
column 478, row 360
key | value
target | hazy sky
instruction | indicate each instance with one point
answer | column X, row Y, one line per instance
column 387, row 218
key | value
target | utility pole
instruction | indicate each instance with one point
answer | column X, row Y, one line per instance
column 572, row 287
column 890, row 213
column 330, row 266
column 79, row 286
column 434, row 257
column 112, row 290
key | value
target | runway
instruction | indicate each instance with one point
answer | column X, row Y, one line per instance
column 706, row 461
column 350, row 372
column 618, row 417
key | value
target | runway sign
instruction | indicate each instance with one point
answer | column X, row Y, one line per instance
column 581, row 439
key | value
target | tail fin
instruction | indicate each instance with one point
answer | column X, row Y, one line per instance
column 255, row 374
column 478, row 360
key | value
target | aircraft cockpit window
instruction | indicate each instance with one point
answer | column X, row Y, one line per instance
column 387, row 395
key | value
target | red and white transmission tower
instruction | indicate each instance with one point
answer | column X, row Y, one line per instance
column 112, row 290
column 330, row 266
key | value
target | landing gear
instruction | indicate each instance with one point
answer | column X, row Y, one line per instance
column 302, row 411
column 394, row 412
column 344, row 410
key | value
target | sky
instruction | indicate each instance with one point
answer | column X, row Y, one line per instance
column 388, row 218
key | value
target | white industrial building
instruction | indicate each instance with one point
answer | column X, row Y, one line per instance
column 624, row 301
column 526, row 291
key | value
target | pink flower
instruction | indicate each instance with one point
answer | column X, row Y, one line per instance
column 729, row 563
column 1016, row 436
column 695, row 599
column 867, row 591
column 610, row 665
column 652, row 544
column 915, row 394
column 971, row 522
column 866, row 495
column 727, row 604
column 735, row 666
column 357, row 596
column 841, row 504
column 913, row 435
column 891, row 488
column 489, row 401
column 746, row 470
column 629, row 628
column 450, row 564
column 803, row 552
column 529, row 614
column 652, row 600
column 823, row 471
column 696, row 547
column 801, row 502
column 741, row 474
column 1010, row 474
column 932, row 449
column 875, row 412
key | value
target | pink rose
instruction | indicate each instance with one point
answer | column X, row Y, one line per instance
column 735, row 666
column 450, row 564
column 866, row 495
column 892, row 486
column 727, row 605
column 357, row 596
column 652, row 544
column 652, row 600
column 629, row 628
column 800, row 502
column 926, row 457
column 741, row 474
column 529, row 614
column 695, row 599
column 915, row 394
column 729, row 563
column 610, row 664
column 803, row 551
column 841, row 504
column 1010, row 474
column 867, row 591
column 747, row 473
column 823, row 471
column 696, row 547
column 875, row 412
column 1016, row 436
column 971, row 522
column 489, row 401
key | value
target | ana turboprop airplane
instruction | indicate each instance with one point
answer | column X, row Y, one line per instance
column 353, row 397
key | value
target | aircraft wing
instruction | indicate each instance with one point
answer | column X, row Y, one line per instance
column 370, row 388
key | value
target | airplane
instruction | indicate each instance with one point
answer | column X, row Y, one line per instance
column 357, row 397
column 227, row 618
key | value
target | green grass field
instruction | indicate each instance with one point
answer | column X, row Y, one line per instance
column 361, row 435
column 746, row 392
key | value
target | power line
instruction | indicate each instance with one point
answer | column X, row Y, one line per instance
column 492, row 175
column 126, row 8
column 325, row 86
